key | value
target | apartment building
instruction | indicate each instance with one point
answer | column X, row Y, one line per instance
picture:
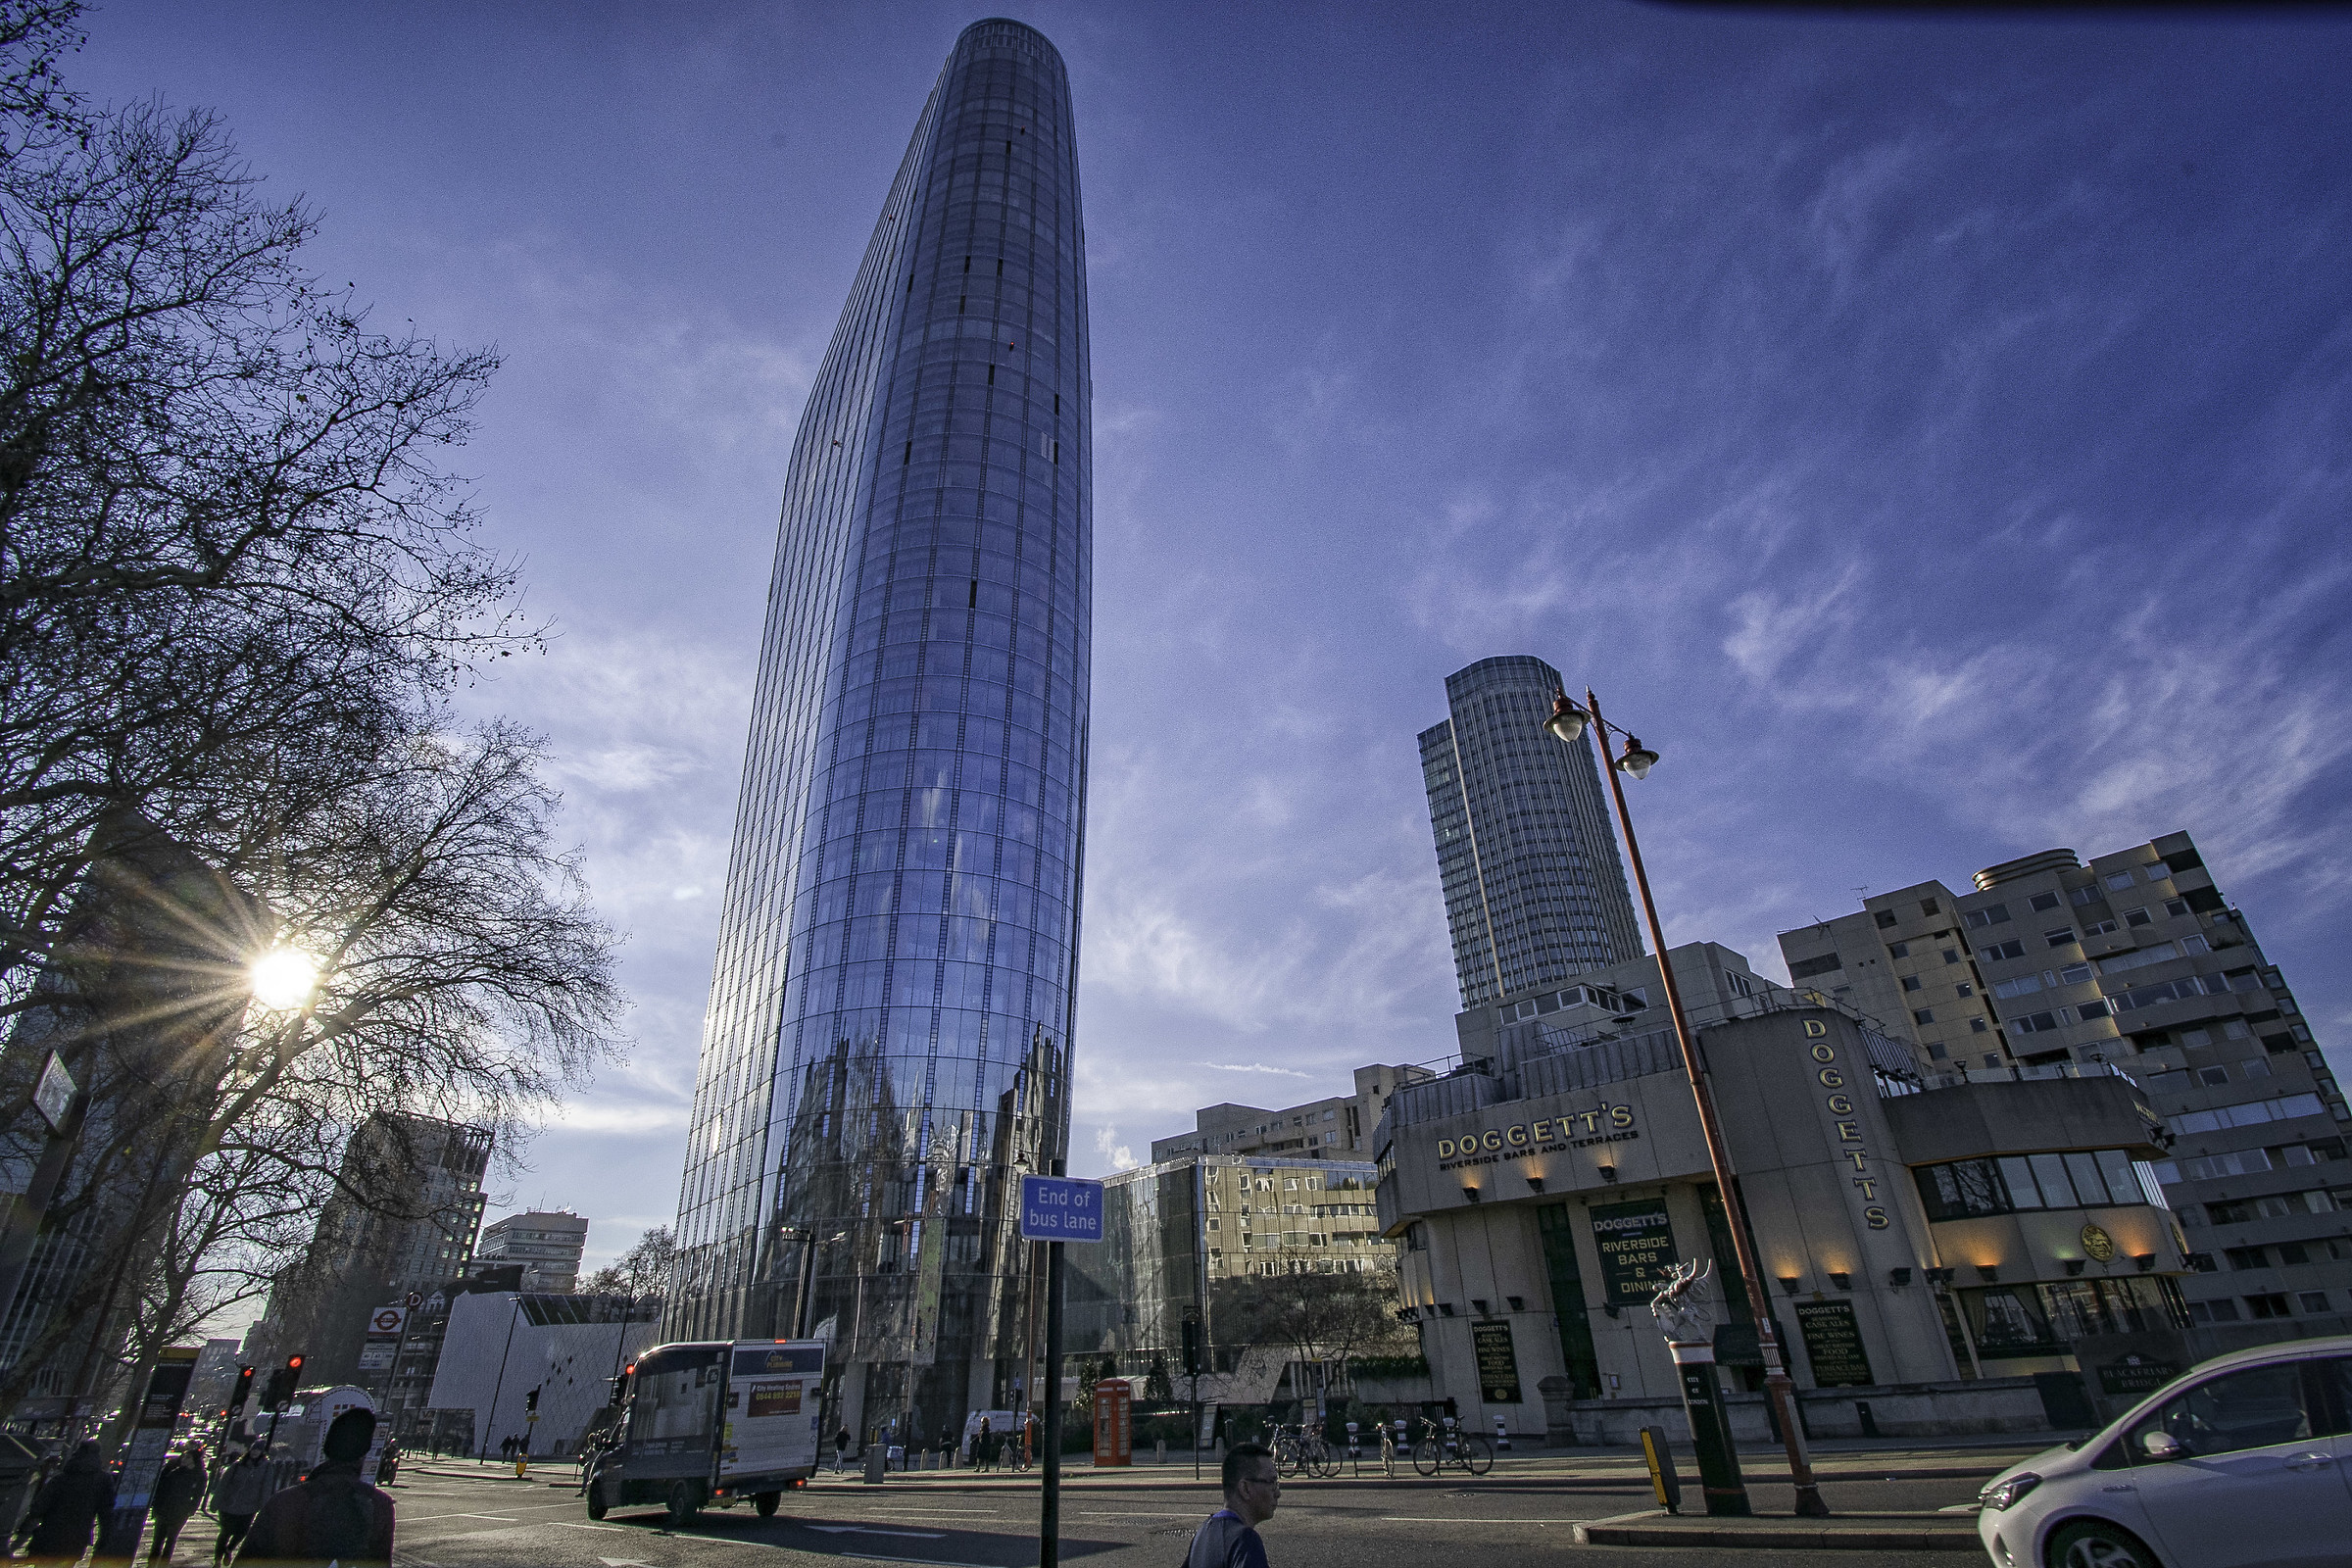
column 2135, row 958
column 546, row 1243
column 1335, row 1127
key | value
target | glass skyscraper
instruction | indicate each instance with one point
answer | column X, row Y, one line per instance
column 888, row 1045
column 1535, row 893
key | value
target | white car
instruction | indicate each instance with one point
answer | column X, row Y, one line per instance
column 2244, row 1461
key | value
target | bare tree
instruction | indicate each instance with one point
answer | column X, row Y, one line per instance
column 640, row 1272
column 230, row 565
column 464, row 978
column 1316, row 1316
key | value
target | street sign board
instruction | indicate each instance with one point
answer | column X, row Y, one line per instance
column 1060, row 1208
column 387, row 1322
column 53, row 1096
column 377, row 1355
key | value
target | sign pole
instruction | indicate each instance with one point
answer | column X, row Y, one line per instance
column 1055, row 1209
column 1048, row 1520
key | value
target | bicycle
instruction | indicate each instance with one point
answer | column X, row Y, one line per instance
column 1296, row 1450
column 1442, row 1446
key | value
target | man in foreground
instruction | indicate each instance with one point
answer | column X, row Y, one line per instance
column 1252, row 1491
column 332, row 1517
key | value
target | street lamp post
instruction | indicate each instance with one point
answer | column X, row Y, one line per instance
column 1568, row 723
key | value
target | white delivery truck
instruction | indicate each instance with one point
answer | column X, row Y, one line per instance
column 710, row 1424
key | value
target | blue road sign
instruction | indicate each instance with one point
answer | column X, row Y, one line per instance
column 1060, row 1208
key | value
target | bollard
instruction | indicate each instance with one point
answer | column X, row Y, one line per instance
column 1502, row 1438
column 1159, row 1452
column 1662, row 1478
column 1356, row 1443
column 876, row 1457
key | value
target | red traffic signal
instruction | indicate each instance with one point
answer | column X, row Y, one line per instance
column 244, row 1392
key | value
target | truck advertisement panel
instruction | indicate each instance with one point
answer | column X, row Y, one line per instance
column 774, row 1390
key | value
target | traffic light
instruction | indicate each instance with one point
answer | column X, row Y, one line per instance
column 236, row 1400
column 1192, row 1347
column 281, row 1390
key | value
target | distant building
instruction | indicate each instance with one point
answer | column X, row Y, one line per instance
column 502, row 1347
column 546, row 1243
column 402, row 1222
column 1534, row 889
column 1173, row 1229
column 213, row 1379
column 2134, row 960
column 1335, row 1127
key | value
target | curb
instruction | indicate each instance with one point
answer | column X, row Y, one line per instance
column 1656, row 1528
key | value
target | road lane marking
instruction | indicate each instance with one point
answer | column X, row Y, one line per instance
column 500, row 1517
column 1427, row 1519
column 573, row 1524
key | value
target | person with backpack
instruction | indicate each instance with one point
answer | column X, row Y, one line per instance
column 237, row 1495
column 1229, row 1538
column 332, row 1517
column 57, row 1527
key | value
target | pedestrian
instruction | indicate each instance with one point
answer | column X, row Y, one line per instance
column 333, row 1517
column 1229, row 1538
column 237, row 1495
column 55, row 1529
column 387, row 1464
column 1387, row 1450
column 840, row 1449
column 177, row 1489
column 984, row 1447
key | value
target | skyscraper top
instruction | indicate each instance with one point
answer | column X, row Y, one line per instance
column 1535, row 890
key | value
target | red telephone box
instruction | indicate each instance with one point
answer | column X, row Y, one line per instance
column 1114, row 1424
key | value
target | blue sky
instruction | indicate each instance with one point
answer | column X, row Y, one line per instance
column 1930, row 434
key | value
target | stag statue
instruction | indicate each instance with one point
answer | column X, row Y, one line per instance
column 1681, row 1305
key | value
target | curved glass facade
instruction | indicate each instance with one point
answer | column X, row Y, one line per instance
column 1535, row 893
column 888, row 1042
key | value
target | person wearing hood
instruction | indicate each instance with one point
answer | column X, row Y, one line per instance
column 67, row 1507
column 333, row 1516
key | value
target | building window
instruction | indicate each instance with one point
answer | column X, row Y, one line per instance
column 1952, row 955
column 1976, row 1026
column 2138, row 917
column 2044, row 901
column 1965, row 989
column 1923, row 1015
column 2271, row 1304
column 1910, row 982
column 2245, row 1257
column 2004, row 950
column 1990, row 914
column 2059, row 937
column 2314, row 1301
column 2119, row 879
column 1886, row 919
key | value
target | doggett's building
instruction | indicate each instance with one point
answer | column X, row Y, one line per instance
column 1945, row 1255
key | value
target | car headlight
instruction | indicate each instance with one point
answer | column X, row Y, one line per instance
column 2008, row 1490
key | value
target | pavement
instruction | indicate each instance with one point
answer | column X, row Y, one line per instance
column 1894, row 1506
